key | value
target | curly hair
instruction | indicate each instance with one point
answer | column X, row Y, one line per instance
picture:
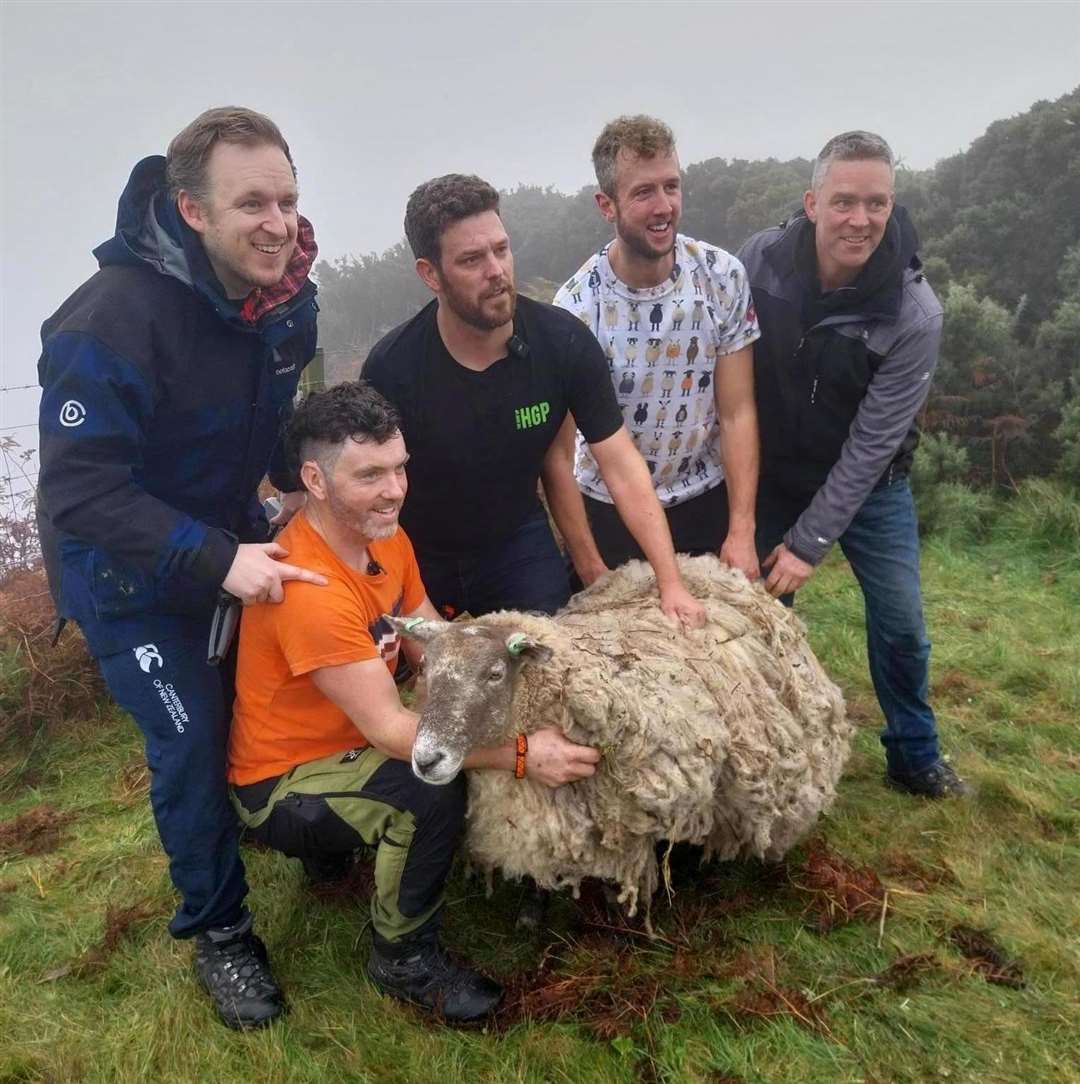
column 326, row 419
column 189, row 152
column 639, row 135
column 441, row 202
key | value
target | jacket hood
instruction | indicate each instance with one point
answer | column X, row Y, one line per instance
column 149, row 228
column 877, row 288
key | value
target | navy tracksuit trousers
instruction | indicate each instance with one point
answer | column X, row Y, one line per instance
column 183, row 706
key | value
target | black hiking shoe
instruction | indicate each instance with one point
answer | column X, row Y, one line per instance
column 937, row 781
column 428, row 977
column 231, row 963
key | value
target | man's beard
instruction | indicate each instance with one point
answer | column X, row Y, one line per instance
column 472, row 313
column 637, row 241
column 367, row 524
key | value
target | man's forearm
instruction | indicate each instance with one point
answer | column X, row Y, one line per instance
column 567, row 508
column 638, row 507
column 739, row 451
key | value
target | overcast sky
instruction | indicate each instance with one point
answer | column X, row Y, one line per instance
column 375, row 98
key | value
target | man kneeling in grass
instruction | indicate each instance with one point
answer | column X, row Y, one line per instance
column 320, row 744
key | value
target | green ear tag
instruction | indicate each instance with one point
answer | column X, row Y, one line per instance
column 410, row 623
column 516, row 644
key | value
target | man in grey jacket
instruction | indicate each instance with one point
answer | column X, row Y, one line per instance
column 850, row 331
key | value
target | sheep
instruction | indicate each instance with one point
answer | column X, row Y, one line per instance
column 730, row 736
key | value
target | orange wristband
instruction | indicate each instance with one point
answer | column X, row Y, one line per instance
column 519, row 758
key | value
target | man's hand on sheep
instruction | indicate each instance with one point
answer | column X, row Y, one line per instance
column 553, row 759
column 738, row 552
column 678, row 604
column 788, row 572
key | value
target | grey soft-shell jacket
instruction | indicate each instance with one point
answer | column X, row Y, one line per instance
column 839, row 378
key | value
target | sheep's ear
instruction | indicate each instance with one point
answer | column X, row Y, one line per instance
column 421, row 629
column 526, row 648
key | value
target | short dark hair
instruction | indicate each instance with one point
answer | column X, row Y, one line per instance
column 640, row 135
column 190, row 150
column 324, row 420
column 854, row 146
column 441, row 202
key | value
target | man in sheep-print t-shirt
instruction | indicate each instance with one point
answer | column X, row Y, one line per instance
column 676, row 321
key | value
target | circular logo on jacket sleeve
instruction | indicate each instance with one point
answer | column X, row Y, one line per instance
column 72, row 413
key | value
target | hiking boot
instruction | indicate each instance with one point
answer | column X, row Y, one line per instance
column 937, row 781
column 231, row 963
column 327, row 869
column 420, row 971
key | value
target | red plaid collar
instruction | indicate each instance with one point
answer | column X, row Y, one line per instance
column 260, row 301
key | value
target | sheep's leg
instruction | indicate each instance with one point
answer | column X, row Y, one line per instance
column 533, row 908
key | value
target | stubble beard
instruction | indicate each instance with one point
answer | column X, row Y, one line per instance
column 365, row 524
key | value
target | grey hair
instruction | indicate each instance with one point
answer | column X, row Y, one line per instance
column 856, row 146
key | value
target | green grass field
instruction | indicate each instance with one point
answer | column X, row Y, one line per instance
column 843, row 965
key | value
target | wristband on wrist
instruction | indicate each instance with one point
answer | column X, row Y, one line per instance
column 519, row 756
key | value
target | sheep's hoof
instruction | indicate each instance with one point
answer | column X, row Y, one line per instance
column 532, row 911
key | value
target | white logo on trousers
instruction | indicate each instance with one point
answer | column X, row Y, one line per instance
column 148, row 655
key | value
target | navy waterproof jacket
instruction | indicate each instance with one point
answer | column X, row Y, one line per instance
column 161, row 411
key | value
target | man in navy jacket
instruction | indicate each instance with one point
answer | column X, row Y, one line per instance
column 166, row 379
column 849, row 340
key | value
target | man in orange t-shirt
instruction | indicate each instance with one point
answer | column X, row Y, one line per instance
column 320, row 745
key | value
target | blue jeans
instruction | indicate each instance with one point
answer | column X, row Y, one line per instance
column 525, row 572
column 882, row 547
column 182, row 705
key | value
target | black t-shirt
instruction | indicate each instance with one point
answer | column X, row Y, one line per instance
column 477, row 441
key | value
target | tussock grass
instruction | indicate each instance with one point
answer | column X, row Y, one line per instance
column 741, row 985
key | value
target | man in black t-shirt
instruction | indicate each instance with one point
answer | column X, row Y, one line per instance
column 483, row 380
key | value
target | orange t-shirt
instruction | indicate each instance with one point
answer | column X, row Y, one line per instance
column 280, row 719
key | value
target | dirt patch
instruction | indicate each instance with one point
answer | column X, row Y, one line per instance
column 589, row 985
column 119, row 924
column 764, row 1001
column 836, row 891
column 987, row 956
column 957, row 687
column 913, row 872
column 37, row 831
column 906, row 972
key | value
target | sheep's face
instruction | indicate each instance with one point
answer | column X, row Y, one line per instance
column 468, row 686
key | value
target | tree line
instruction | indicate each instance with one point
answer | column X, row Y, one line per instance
column 1000, row 230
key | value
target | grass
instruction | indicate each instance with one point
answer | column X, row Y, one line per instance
column 743, row 986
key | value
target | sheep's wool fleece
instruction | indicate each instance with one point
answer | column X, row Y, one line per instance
column 730, row 736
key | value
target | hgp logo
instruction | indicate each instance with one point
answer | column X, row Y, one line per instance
column 147, row 656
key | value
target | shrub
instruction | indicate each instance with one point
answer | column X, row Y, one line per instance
column 1045, row 512
column 955, row 513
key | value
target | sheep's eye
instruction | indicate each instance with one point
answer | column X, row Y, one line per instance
column 497, row 672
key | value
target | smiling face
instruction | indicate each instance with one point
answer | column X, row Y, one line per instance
column 646, row 208
column 849, row 210
column 366, row 487
column 474, row 278
column 248, row 221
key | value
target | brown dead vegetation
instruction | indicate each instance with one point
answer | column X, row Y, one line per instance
column 912, row 872
column 836, row 891
column 52, row 685
column 119, row 923
column 906, row 972
column 987, row 957
column 764, row 997
column 352, row 890
column 37, row 831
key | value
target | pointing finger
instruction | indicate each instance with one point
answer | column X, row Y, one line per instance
column 293, row 572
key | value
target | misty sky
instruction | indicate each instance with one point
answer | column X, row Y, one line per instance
column 374, row 98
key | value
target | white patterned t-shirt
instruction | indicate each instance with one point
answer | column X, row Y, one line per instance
column 662, row 344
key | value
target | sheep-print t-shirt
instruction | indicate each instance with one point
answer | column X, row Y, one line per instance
column 662, row 343
column 280, row 718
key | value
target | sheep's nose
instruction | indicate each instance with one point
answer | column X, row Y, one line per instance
column 425, row 762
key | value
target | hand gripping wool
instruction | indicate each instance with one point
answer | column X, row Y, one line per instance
column 730, row 736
